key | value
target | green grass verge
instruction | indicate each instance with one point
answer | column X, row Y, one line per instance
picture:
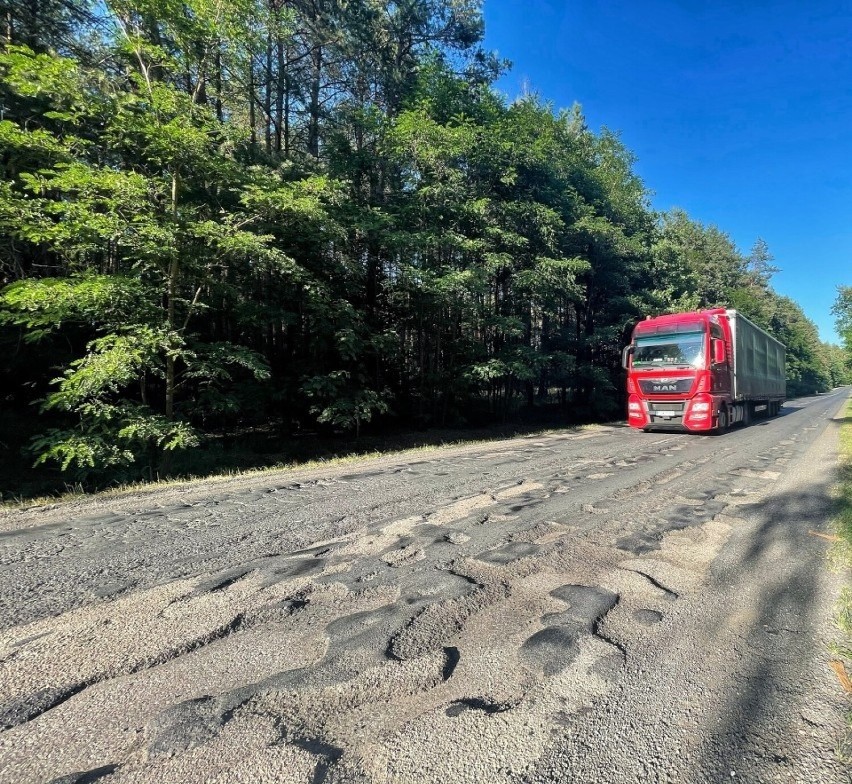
column 841, row 554
column 841, row 557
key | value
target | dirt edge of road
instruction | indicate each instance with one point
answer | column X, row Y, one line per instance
column 841, row 560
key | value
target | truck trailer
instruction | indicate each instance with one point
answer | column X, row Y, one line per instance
column 702, row 371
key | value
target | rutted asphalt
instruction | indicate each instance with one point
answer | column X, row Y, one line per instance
column 593, row 605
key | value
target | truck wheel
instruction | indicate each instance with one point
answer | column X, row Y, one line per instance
column 722, row 420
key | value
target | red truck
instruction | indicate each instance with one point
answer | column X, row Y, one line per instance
column 702, row 371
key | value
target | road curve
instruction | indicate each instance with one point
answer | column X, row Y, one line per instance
column 598, row 605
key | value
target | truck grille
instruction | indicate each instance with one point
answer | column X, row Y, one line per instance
column 666, row 413
column 666, row 386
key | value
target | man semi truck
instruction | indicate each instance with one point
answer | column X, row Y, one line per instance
column 702, row 371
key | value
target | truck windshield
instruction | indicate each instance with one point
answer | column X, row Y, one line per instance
column 685, row 349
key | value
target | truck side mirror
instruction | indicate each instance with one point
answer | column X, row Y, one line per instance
column 625, row 354
column 719, row 356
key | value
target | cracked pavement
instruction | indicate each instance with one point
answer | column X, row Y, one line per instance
column 589, row 605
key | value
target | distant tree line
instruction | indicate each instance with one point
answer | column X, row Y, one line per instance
column 843, row 313
column 318, row 213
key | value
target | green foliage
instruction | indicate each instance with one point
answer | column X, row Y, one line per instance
column 111, row 436
column 701, row 264
column 143, row 229
column 340, row 401
column 807, row 365
column 42, row 306
column 842, row 310
column 111, row 363
column 86, row 451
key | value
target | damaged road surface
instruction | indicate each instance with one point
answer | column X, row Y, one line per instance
column 598, row 605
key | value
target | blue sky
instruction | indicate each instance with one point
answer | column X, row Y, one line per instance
column 738, row 112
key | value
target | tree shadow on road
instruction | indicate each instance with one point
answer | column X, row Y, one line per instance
column 772, row 625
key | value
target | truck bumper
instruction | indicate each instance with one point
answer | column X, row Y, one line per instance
column 693, row 415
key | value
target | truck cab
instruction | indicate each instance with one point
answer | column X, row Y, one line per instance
column 701, row 371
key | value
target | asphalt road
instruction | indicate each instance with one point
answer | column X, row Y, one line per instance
column 597, row 605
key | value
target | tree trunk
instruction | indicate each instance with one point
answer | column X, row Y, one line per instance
column 314, row 109
column 171, row 315
column 218, row 86
column 281, row 86
column 267, row 94
column 287, row 114
column 251, row 97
